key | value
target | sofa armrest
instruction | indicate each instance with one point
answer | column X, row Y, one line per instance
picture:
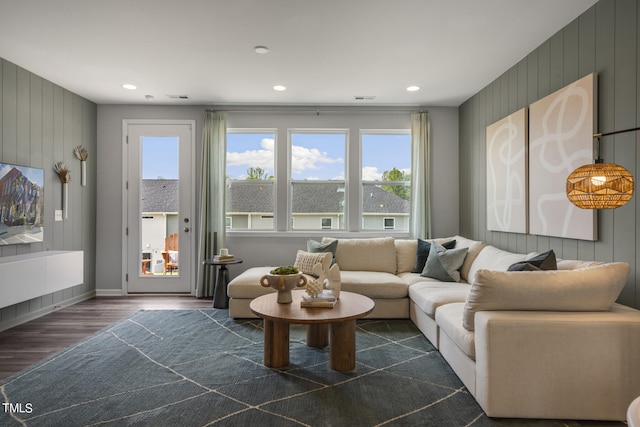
column 563, row 365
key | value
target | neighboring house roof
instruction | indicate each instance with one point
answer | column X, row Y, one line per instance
column 250, row 196
column 159, row 195
column 378, row 200
column 257, row 196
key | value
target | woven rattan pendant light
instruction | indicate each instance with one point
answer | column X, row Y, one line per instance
column 600, row 185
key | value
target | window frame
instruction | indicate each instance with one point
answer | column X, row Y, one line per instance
column 384, row 223
column 322, row 220
column 258, row 130
column 364, row 183
column 290, row 181
column 351, row 218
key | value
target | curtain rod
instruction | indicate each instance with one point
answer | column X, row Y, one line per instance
column 317, row 111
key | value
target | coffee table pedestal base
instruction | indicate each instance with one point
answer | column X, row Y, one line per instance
column 342, row 350
column 343, row 346
column 335, row 327
column 318, row 335
column 276, row 344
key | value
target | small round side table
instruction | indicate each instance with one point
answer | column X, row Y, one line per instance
column 220, row 299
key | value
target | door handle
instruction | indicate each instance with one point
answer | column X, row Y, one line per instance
column 186, row 229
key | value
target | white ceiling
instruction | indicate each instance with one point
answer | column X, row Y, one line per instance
column 324, row 51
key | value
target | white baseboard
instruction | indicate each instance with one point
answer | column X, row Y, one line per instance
column 109, row 292
column 46, row 310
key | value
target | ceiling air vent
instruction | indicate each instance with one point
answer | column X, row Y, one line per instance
column 178, row 96
column 364, row 97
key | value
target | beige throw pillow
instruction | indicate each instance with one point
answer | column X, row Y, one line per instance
column 588, row 289
column 306, row 260
column 373, row 254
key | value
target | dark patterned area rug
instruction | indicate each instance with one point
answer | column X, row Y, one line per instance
column 199, row 368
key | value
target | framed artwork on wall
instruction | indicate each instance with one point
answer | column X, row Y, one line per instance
column 507, row 173
column 21, row 204
column 561, row 128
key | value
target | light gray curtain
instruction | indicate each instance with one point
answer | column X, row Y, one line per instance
column 212, row 199
column 420, row 226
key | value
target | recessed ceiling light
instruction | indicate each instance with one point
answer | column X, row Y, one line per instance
column 279, row 88
column 129, row 86
column 413, row 88
column 261, row 49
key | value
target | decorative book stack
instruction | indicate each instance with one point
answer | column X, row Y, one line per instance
column 223, row 258
column 324, row 299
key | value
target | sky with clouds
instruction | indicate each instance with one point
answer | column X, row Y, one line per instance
column 317, row 156
column 34, row 175
column 314, row 156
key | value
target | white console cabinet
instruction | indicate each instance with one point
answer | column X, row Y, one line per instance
column 23, row 277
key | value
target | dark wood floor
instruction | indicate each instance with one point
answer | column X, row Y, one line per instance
column 30, row 342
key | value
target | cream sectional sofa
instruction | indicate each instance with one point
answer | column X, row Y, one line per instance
column 543, row 344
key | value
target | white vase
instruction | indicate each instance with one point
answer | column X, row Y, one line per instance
column 65, row 199
column 283, row 283
column 83, row 172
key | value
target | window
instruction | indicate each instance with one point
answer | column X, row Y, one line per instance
column 316, row 162
column 250, row 179
column 386, row 175
column 327, row 223
column 338, row 176
column 389, row 223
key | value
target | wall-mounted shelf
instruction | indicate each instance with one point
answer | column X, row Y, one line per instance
column 23, row 277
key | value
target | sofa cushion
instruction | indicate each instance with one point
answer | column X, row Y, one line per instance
column 475, row 247
column 411, row 278
column 572, row 264
column 306, row 260
column 405, row 254
column 443, row 264
column 492, row 258
column 422, row 252
column 587, row 289
column 373, row 284
column 374, row 254
column 544, row 261
column 449, row 318
column 247, row 284
column 428, row 296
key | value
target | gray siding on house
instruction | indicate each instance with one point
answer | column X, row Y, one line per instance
column 603, row 40
column 40, row 124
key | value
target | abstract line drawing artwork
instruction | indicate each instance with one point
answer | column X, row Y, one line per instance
column 561, row 128
column 507, row 173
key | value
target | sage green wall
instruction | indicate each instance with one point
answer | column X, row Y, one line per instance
column 605, row 40
column 40, row 124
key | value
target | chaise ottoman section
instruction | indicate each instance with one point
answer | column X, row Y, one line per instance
column 388, row 291
column 425, row 298
column 457, row 344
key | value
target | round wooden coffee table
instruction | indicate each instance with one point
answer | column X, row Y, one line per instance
column 339, row 322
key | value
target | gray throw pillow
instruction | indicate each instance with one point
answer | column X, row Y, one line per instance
column 422, row 253
column 443, row 264
column 315, row 247
column 544, row 261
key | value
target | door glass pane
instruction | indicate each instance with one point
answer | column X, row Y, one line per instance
column 159, row 197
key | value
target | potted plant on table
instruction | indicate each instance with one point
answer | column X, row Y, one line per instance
column 283, row 280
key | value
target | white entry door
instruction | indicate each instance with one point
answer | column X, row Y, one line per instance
column 160, row 189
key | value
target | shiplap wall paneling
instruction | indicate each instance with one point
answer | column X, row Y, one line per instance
column 40, row 123
column 605, row 39
column 624, row 145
